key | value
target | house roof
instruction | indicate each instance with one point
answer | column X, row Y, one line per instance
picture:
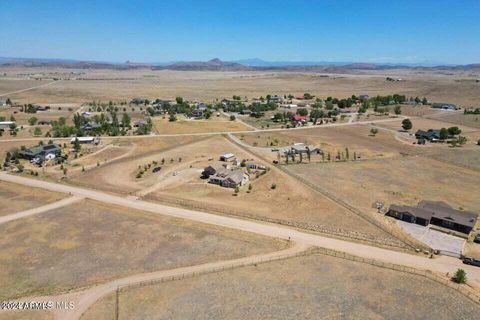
column 440, row 210
column 299, row 118
column 228, row 155
column 417, row 212
column 41, row 149
column 236, row 176
column 443, row 211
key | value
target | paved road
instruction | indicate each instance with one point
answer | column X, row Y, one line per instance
column 328, row 125
column 27, row 89
column 441, row 264
column 45, row 208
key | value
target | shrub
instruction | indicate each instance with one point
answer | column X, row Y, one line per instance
column 274, row 186
column 460, row 276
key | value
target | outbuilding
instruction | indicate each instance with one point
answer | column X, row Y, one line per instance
column 227, row 157
column 94, row 140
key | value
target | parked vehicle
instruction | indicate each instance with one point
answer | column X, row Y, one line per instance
column 477, row 238
column 156, row 169
column 472, row 261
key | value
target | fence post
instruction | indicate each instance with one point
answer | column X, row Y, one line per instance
column 116, row 303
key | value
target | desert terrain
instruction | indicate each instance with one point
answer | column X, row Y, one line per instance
column 142, row 211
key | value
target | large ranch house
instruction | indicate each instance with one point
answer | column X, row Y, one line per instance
column 437, row 213
column 41, row 151
column 225, row 177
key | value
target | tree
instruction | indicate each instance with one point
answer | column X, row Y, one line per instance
column 232, row 118
column 443, row 133
column 125, row 121
column 179, row 100
column 172, row 117
column 274, row 186
column 453, row 131
column 397, row 110
column 37, row 131
column 237, row 190
column 32, row 121
column 302, row 112
column 460, row 276
column 407, row 124
column 374, row 131
column 307, row 96
column 250, row 187
column 151, row 111
column 460, row 141
column 9, row 102
column 76, row 145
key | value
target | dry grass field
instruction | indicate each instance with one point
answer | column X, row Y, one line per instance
column 15, row 198
column 81, row 245
column 458, row 118
column 194, row 85
column 27, row 315
column 401, row 180
column 312, row 287
column 163, row 126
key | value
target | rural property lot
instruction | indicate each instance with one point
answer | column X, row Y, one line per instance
column 356, row 138
column 402, row 180
column 119, row 175
column 163, row 126
column 311, row 287
column 15, row 198
column 89, row 243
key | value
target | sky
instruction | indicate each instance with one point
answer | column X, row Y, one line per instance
column 407, row 31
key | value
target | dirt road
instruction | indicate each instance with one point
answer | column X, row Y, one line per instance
column 441, row 264
column 45, row 208
column 27, row 89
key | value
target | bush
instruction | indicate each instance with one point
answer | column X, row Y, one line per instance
column 407, row 124
column 232, row 118
column 460, row 276
column 274, row 186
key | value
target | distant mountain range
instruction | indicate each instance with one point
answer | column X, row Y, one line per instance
column 239, row 65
